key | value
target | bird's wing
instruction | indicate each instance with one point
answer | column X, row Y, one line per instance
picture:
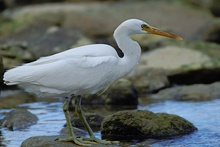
column 94, row 50
column 66, row 71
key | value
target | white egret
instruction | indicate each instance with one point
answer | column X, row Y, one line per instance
column 83, row 70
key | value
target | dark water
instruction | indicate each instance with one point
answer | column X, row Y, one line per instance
column 204, row 115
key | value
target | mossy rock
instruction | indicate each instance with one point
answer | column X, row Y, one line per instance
column 142, row 124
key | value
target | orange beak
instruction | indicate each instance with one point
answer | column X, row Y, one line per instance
column 152, row 30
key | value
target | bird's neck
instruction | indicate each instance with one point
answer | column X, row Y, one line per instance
column 130, row 48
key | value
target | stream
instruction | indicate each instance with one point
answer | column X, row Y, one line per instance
column 204, row 115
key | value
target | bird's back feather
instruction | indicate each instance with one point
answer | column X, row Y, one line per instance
column 74, row 71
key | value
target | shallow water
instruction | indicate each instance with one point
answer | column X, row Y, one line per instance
column 204, row 115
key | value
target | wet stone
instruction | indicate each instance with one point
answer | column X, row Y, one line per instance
column 18, row 119
column 78, row 132
column 51, row 141
column 130, row 125
column 94, row 121
column 43, row 141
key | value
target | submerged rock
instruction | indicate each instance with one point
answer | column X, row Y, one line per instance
column 129, row 125
column 19, row 119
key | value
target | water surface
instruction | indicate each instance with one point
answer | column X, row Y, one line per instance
column 204, row 115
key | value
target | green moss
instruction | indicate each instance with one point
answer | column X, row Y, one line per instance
column 141, row 124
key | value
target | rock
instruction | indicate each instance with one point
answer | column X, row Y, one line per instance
column 200, row 76
column 121, row 92
column 129, row 125
column 207, row 72
column 46, row 141
column 15, row 53
column 74, row 15
column 94, row 121
column 172, row 58
column 215, row 8
column 14, row 100
column 18, row 119
column 208, row 32
column 148, row 80
column 78, row 132
column 48, row 39
column 50, row 141
column 204, row 4
column 1, row 73
column 17, row 3
column 197, row 92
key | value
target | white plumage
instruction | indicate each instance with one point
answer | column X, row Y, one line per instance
column 85, row 69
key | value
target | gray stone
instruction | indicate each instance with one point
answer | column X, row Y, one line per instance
column 173, row 58
column 75, row 15
column 121, row 92
column 19, row 119
column 147, row 80
column 51, row 141
column 46, row 38
column 197, row 92
column 15, row 53
column 46, row 141
column 209, row 32
column 78, row 132
column 94, row 121
column 129, row 125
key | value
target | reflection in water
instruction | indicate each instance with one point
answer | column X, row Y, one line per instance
column 204, row 115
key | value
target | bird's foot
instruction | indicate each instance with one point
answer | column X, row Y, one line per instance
column 100, row 141
column 78, row 141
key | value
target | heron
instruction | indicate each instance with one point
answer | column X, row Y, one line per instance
column 83, row 70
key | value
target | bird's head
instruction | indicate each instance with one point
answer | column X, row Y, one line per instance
column 136, row 26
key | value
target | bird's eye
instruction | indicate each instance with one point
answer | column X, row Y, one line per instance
column 144, row 26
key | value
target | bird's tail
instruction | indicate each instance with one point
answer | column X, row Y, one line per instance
column 16, row 75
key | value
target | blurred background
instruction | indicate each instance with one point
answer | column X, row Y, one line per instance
column 178, row 77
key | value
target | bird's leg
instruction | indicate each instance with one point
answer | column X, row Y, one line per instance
column 72, row 137
column 81, row 115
